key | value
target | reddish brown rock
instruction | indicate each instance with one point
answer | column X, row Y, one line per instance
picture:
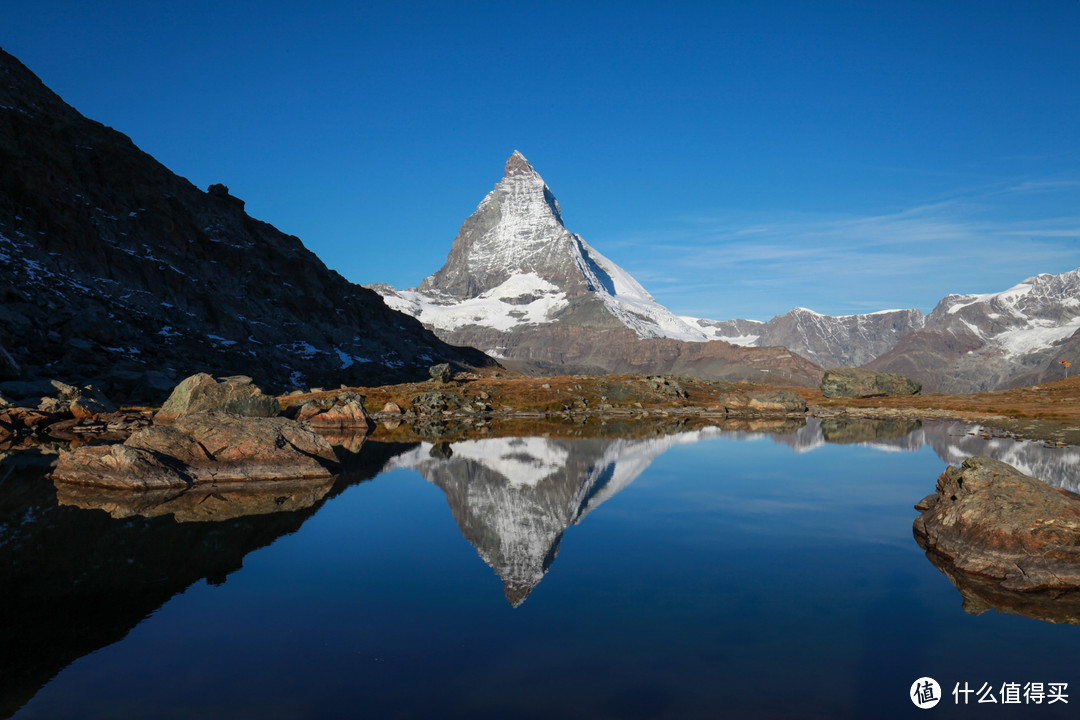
column 762, row 402
column 345, row 410
column 86, row 407
column 200, row 448
column 990, row 519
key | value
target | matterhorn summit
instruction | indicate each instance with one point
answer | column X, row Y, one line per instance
column 520, row 286
column 514, row 264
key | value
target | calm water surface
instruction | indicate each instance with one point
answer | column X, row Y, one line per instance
column 701, row 575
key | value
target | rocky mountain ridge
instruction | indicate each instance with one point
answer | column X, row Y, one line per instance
column 116, row 271
column 522, row 287
column 988, row 341
column 829, row 340
column 968, row 343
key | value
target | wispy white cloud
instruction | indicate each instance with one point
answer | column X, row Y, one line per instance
column 755, row 265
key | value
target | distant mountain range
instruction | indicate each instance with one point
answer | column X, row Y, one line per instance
column 520, row 286
column 114, row 270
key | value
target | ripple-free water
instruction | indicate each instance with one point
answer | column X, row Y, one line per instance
column 708, row 574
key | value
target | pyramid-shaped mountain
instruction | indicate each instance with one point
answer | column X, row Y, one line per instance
column 520, row 286
column 116, row 271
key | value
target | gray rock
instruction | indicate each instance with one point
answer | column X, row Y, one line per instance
column 441, row 372
column 864, row 383
column 434, row 402
column 201, row 393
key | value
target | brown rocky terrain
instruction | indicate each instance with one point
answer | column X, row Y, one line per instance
column 1048, row 411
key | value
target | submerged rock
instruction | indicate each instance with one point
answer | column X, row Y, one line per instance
column 202, row 448
column 990, row 519
column 863, row 383
column 202, row 393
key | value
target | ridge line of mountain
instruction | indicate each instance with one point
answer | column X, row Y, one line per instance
column 116, row 271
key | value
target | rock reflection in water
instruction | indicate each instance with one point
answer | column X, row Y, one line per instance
column 202, row 503
column 845, row 430
column 75, row 580
column 981, row 594
column 513, row 498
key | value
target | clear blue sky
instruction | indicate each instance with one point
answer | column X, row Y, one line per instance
column 739, row 158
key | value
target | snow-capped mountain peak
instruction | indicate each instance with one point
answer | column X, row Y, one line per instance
column 514, row 263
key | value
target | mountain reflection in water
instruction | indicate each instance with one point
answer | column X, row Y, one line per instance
column 74, row 580
column 513, row 498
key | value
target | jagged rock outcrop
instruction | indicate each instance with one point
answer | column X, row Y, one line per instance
column 863, row 383
column 115, row 271
column 202, row 448
column 989, row 519
column 522, row 287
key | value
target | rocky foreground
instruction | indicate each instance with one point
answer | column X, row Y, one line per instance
column 997, row 532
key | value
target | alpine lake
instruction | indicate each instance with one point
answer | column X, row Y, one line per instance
column 755, row 570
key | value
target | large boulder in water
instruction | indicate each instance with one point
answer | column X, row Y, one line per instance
column 990, row 519
column 201, row 393
column 862, row 383
column 202, row 448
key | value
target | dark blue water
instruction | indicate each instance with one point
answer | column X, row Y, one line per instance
column 701, row 576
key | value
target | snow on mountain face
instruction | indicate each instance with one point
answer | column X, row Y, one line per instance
column 988, row 341
column 513, row 498
column 1030, row 316
column 828, row 340
column 514, row 264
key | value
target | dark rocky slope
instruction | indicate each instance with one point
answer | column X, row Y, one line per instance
column 116, row 271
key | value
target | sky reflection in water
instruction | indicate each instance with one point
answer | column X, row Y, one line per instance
column 740, row 574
